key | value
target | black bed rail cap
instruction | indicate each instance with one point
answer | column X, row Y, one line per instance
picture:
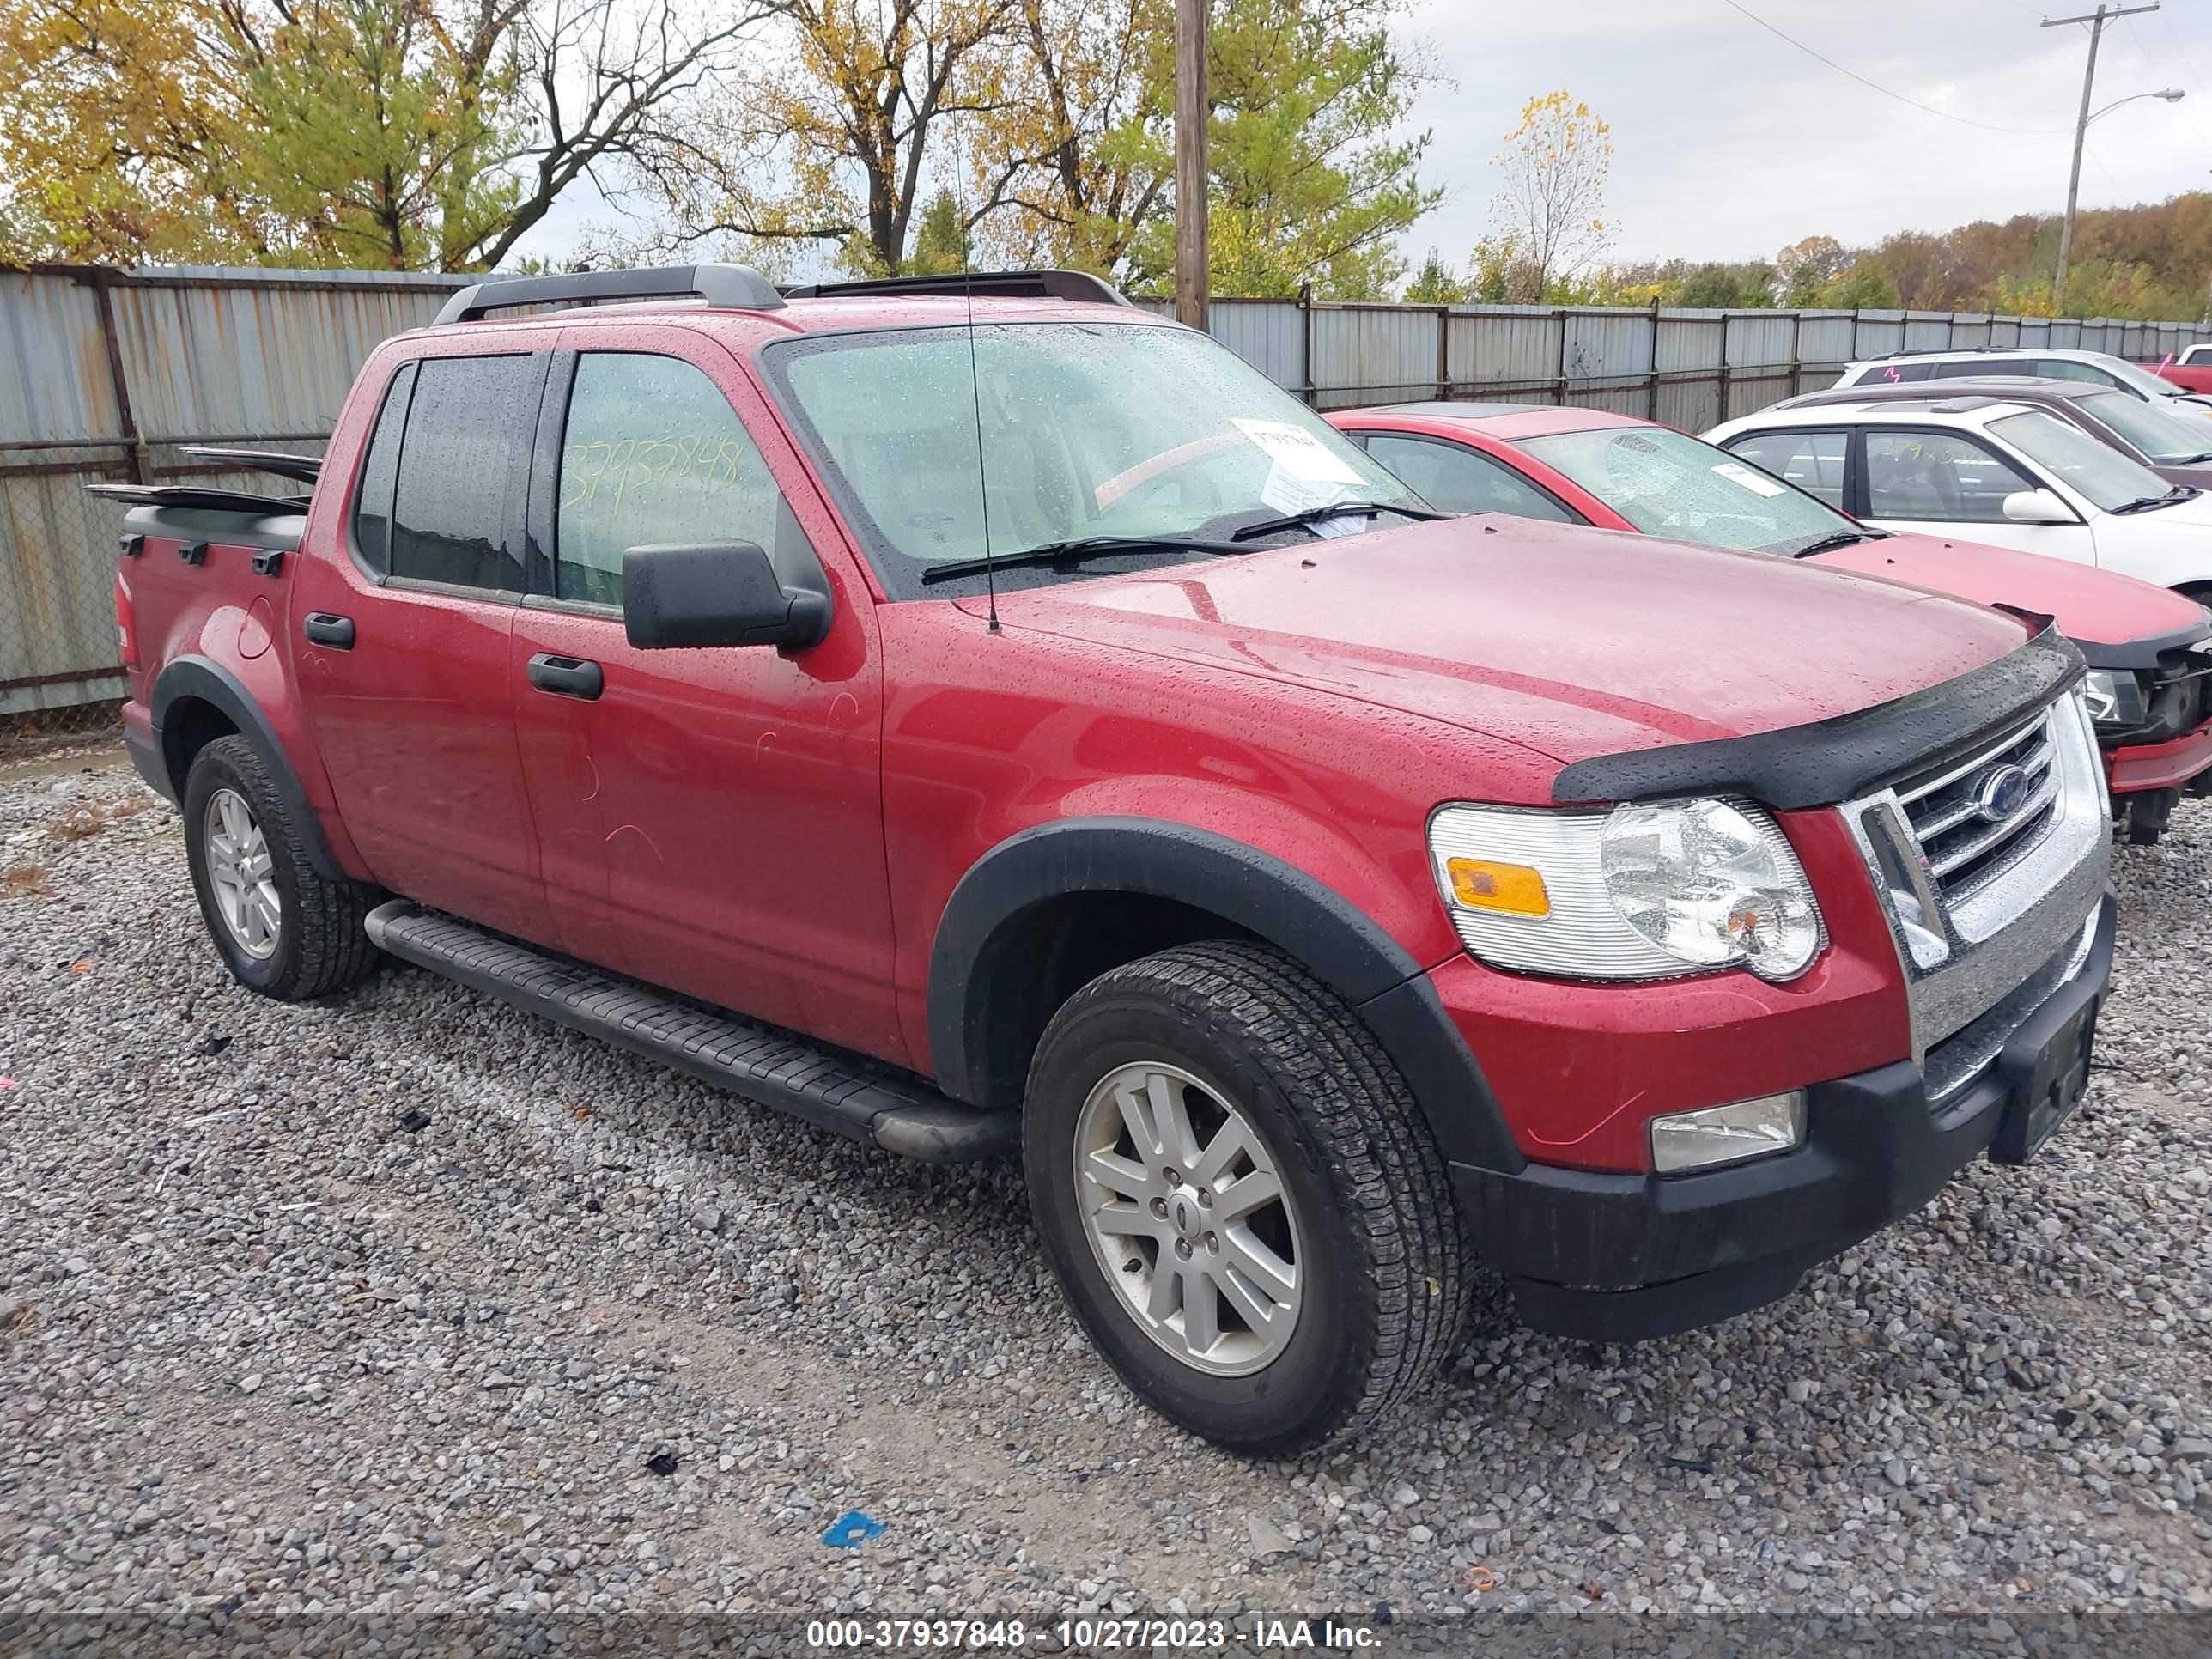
column 1837, row 759
column 726, row 287
column 1077, row 285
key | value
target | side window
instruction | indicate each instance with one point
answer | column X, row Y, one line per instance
column 1458, row 479
column 1937, row 476
column 379, row 474
column 2062, row 369
column 1814, row 461
column 653, row 454
column 465, row 426
column 1890, row 373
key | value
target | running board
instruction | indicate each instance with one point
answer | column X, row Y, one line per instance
column 834, row 1091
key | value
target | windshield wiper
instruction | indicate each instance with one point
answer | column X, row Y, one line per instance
column 2145, row 503
column 1314, row 515
column 1841, row 538
column 1075, row 552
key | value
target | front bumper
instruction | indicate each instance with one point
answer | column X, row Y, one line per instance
column 2134, row 768
column 1614, row 1258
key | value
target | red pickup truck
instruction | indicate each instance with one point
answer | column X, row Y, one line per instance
column 972, row 712
column 2191, row 371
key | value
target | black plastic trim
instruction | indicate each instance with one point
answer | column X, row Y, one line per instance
column 1077, row 285
column 196, row 677
column 2143, row 653
column 1834, row 760
column 724, row 288
column 1244, row 886
column 1618, row 1258
column 145, row 752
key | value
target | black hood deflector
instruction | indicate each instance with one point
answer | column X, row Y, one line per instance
column 1835, row 760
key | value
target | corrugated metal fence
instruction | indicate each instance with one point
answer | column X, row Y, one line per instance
column 103, row 373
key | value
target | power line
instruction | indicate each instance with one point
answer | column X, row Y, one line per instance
column 1874, row 86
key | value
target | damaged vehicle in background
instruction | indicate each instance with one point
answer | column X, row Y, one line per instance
column 2150, row 660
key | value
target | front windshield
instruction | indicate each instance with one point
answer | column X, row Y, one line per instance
column 2107, row 478
column 1113, row 429
column 2168, row 439
column 1667, row 483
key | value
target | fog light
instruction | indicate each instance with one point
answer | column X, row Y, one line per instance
column 1728, row 1134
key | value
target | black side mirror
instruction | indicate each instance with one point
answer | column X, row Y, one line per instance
column 715, row 593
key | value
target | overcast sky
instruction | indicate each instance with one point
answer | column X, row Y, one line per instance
column 1729, row 142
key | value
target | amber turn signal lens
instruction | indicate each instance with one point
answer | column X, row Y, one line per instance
column 1514, row 890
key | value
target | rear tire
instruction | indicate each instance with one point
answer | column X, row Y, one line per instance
column 1269, row 1325
column 282, row 928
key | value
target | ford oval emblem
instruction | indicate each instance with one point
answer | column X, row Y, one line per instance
column 2003, row 791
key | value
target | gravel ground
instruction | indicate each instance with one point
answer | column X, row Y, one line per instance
column 408, row 1301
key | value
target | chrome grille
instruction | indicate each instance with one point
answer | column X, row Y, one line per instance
column 1966, row 846
column 1979, row 905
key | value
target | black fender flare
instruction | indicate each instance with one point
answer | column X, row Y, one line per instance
column 206, row 681
column 1253, row 890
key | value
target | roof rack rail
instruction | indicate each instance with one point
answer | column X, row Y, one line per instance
column 728, row 288
column 1078, row 285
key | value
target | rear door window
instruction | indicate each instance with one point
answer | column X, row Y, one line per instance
column 2064, row 369
column 466, row 425
column 1814, row 461
column 1458, row 479
column 380, row 475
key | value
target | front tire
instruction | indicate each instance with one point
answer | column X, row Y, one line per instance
column 282, row 928
column 1245, row 1208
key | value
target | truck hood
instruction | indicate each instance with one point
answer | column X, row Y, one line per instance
column 1570, row 641
column 2100, row 610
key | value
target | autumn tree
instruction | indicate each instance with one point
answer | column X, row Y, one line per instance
column 829, row 140
column 1078, row 159
column 1310, row 183
column 1436, row 283
column 1806, row 265
column 406, row 133
column 1553, row 202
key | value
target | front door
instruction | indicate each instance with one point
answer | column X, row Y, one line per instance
column 709, row 820
column 1934, row 483
column 402, row 642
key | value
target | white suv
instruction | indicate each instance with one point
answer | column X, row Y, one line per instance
column 2100, row 368
column 1987, row 471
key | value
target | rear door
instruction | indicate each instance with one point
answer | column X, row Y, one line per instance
column 709, row 820
column 403, row 636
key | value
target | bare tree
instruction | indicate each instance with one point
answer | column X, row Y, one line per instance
column 831, row 143
column 1552, row 209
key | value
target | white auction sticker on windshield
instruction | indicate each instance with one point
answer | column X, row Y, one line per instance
column 1737, row 473
column 1287, row 493
column 1298, row 452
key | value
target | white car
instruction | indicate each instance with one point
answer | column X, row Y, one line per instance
column 2196, row 356
column 2040, row 362
column 1983, row 470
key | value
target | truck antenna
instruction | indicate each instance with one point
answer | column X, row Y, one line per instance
column 975, row 381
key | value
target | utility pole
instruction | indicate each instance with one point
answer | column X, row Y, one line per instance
column 2096, row 21
column 1190, row 177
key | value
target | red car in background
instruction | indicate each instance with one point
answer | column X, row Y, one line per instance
column 2191, row 371
column 2149, row 649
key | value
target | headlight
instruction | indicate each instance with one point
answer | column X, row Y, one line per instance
column 2115, row 697
column 1642, row 892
